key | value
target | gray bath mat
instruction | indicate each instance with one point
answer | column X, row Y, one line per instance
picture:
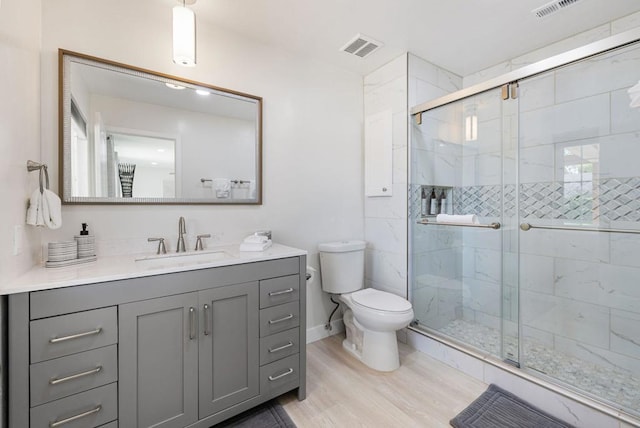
column 268, row 415
column 497, row 408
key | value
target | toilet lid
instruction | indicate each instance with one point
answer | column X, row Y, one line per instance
column 380, row 300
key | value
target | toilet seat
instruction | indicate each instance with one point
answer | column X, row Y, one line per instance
column 380, row 300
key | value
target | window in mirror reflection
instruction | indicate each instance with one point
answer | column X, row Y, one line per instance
column 80, row 152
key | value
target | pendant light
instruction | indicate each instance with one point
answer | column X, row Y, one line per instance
column 184, row 34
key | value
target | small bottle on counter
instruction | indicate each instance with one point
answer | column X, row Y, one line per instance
column 443, row 202
column 86, row 243
column 433, row 210
column 424, row 208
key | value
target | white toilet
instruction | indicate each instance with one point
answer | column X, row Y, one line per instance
column 373, row 315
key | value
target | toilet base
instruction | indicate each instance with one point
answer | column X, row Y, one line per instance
column 378, row 350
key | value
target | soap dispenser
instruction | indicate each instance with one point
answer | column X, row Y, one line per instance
column 86, row 243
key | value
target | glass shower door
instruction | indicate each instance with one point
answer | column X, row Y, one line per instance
column 579, row 181
column 458, row 273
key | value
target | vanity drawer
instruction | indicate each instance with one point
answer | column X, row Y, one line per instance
column 69, row 334
column 280, row 374
column 113, row 424
column 279, row 318
column 88, row 409
column 61, row 377
column 277, row 291
column 279, row 345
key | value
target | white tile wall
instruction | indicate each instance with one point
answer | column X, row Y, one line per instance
column 402, row 83
column 585, row 322
column 582, row 118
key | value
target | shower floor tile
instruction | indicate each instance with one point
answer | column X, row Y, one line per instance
column 612, row 384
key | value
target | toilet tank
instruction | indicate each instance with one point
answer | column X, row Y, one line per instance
column 342, row 266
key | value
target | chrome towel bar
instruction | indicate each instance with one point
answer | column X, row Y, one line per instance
column 493, row 225
column 528, row 226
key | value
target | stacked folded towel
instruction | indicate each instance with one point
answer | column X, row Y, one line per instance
column 634, row 93
column 222, row 187
column 461, row 219
column 255, row 243
column 45, row 209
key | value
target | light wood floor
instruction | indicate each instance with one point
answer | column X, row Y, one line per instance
column 343, row 392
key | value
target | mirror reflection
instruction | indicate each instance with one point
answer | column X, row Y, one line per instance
column 135, row 136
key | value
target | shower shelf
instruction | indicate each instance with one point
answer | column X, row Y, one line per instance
column 494, row 225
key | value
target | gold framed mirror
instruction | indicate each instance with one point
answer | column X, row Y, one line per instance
column 134, row 136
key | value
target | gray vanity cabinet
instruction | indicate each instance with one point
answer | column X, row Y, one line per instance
column 158, row 360
column 229, row 354
column 182, row 349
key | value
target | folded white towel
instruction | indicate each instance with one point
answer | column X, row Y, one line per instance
column 45, row 209
column 34, row 212
column 255, row 239
column 251, row 246
column 634, row 94
column 222, row 187
column 462, row 219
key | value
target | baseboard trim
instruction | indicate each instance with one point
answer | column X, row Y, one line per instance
column 319, row 332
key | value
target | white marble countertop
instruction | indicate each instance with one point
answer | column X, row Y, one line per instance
column 124, row 267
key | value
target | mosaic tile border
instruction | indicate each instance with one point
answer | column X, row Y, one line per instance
column 612, row 199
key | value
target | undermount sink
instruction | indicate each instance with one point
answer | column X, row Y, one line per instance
column 183, row 259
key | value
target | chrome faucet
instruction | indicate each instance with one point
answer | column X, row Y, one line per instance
column 182, row 229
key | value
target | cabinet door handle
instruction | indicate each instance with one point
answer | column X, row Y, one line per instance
column 278, row 293
column 61, row 422
column 207, row 332
column 280, row 376
column 76, row 336
column 288, row 317
column 192, row 323
column 280, row 348
column 55, row 381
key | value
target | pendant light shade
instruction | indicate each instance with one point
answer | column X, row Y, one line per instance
column 184, row 36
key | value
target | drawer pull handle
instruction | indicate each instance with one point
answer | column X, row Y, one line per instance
column 278, row 293
column 76, row 336
column 207, row 332
column 280, row 376
column 280, row 348
column 61, row 422
column 55, row 381
column 288, row 317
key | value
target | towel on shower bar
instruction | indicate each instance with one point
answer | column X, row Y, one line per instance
column 222, row 187
column 634, row 94
column 462, row 219
column 45, row 209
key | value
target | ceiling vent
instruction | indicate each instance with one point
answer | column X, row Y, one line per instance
column 361, row 46
column 553, row 7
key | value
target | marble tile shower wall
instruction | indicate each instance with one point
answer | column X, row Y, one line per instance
column 403, row 82
column 579, row 292
column 577, row 163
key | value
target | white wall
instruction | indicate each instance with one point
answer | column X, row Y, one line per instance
column 19, row 129
column 312, row 133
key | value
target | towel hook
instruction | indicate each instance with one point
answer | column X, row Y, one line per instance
column 41, row 167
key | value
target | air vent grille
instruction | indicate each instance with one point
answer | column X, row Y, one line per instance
column 552, row 7
column 361, row 46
